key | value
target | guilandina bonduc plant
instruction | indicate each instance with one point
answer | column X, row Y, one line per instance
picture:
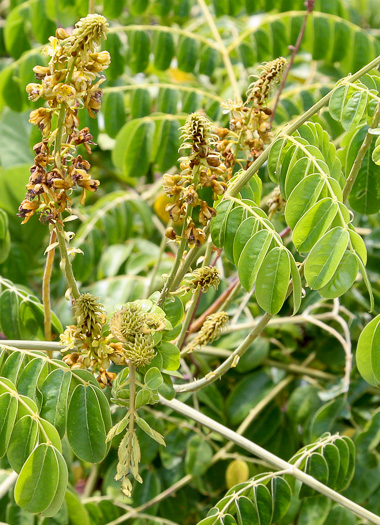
column 117, row 362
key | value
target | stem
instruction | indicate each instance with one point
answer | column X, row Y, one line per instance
column 91, row 481
column 46, row 288
column 45, row 346
column 91, row 7
column 360, row 156
column 222, row 48
column 309, row 7
column 189, row 316
column 229, row 362
column 278, row 463
column 8, row 483
column 157, row 264
column 132, row 401
column 66, row 263
column 169, row 282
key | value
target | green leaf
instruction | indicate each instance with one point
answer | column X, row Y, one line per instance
column 273, row 280
column 302, row 198
column 316, row 466
column 139, row 42
column 252, row 257
column 163, row 48
column 343, row 278
column 314, row 511
column 149, row 430
column 331, row 454
column 114, row 113
column 233, row 223
column 88, row 422
column 77, row 511
column 246, row 512
column 281, row 494
column 50, row 433
column 302, row 403
column 198, row 456
column 23, row 440
column 246, row 230
column 132, row 161
column 264, row 504
column 170, row 356
column 55, row 390
column 324, row 419
column 153, row 378
column 368, row 352
column 10, row 319
column 31, row 377
column 8, row 413
column 38, row 481
column 166, row 144
column 344, row 455
column 5, row 239
column 325, row 257
column 59, row 497
column 218, row 223
column 247, row 393
column 297, row 284
column 15, row 34
column 314, row 224
column 187, row 54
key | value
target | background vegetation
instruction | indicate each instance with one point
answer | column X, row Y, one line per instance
column 286, row 391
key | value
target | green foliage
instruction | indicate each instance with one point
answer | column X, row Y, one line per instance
column 290, row 233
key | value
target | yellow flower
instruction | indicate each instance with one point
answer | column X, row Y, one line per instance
column 64, row 92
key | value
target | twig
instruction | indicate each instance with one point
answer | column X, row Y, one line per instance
column 309, row 9
column 91, row 481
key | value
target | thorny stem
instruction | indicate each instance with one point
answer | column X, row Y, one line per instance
column 309, row 9
column 46, row 288
column 361, row 153
column 222, row 48
column 277, row 462
column 168, row 284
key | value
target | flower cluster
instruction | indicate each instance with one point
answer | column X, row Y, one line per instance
column 250, row 119
column 68, row 83
column 210, row 331
column 201, row 279
column 93, row 349
column 202, row 168
column 134, row 327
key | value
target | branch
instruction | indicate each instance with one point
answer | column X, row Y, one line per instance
column 277, row 462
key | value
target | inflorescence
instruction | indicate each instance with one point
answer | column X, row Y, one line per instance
column 68, row 83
